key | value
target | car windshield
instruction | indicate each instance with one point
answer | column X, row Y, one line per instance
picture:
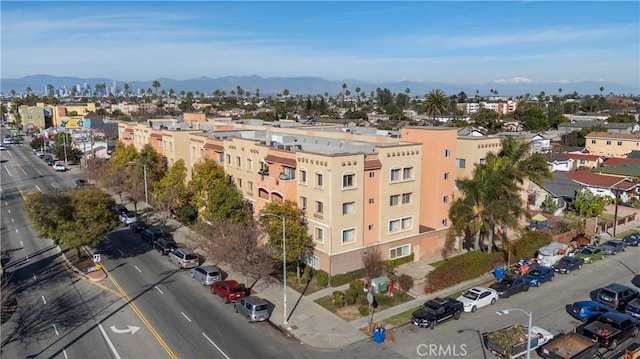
column 213, row 274
column 261, row 307
column 236, row 290
column 535, row 273
column 609, row 243
column 470, row 295
column 429, row 309
column 587, row 251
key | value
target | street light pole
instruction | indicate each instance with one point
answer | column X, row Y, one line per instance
column 146, row 191
column 530, row 315
column 284, row 262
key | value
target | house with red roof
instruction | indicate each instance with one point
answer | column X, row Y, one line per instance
column 605, row 185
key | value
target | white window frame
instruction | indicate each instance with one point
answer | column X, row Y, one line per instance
column 352, row 177
column 350, row 230
column 250, row 164
column 446, row 176
column 319, row 180
column 318, row 234
column 407, row 176
column 394, row 200
column 404, row 251
column 406, row 198
column 320, row 206
column 311, row 260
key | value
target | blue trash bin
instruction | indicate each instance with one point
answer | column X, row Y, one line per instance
column 383, row 334
column 377, row 336
column 498, row 273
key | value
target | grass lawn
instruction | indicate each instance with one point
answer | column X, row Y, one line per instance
column 350, row 312
column 439, row 263
column 626, row 233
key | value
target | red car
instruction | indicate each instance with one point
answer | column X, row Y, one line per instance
column 229, row 290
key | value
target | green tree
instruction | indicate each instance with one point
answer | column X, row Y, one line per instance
column 156, row 163
column 225, row 203
column 47, row 212
column 587, row 204
column 623, row 118
column 533, row 117
column 205, row 176
column 436, row 103
column 488, row 119
column 122, row 155
column 175, row 178
column 156, row 85
column 298, row 240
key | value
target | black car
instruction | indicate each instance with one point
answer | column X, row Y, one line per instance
column 633, row 239
column 510, row 285
column 436, row 311
column 138, row 226
column 165, row 245
column 567, row 264
column 152, row 234
column 119, row 209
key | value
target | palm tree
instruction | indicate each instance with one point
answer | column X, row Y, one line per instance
column 344, row 87
column 171, row 92
column 126, row 88
column 49, row 88
column 436, row 103
column 601, row 89
column 285, row 94
column 156, row 85
column 29, row 90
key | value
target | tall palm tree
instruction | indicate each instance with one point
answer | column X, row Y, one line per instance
column 436, row 103
column 156, row 85
column 344, row 87
column 126, row 88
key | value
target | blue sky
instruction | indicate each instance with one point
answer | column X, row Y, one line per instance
column 456, row 42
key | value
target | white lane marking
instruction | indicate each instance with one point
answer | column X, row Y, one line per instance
column 44, row 300
column 12, row 220
column 56, row 329
column 184, row 315
column 65, row 353
column 27, row 258
column 6, row 169
column 138, row 269
column 34, row 277
column 214, row 344
column 121, row 252
column 6, row 203
column 38, row 171
column 106, row 337
column 156, row 287
column 21, row 244
column 54, row 186
column 8, row 210
column 38, row 188
column 17, row 230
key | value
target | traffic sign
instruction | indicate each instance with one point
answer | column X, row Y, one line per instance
column 96, row 258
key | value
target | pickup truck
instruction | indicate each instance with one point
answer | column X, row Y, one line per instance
column 511, row 342
column 570, row 346
column 436, row 311
column 610, row 329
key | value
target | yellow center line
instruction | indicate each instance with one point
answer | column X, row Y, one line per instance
column 20, row 167
column 144, row 320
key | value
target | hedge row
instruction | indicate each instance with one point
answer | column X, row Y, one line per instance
column 392, row 263
column 461, row 268
column 340, row 279
column 529, row 243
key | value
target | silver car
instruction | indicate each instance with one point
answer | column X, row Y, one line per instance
column 253, row 308
column 207, row 275
column 612, row 247
column 184, row 258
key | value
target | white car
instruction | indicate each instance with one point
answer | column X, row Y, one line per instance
column 478, row 297
column 59, row 167
column 127, row 218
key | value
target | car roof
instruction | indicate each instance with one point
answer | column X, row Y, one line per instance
column 584, row 303
column 230, row 283
column 616, row 286
column 210, row 268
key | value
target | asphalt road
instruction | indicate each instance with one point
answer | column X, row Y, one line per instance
column 58, row 315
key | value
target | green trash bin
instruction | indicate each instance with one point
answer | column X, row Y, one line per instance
column 380, row 285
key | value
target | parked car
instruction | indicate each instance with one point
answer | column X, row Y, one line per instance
column 616, row 295
column 207, row 275
column 587, row 309
column 119, row 208
column 165, row 245
column 127, row 218
column 436, row 311
column 80, row 183
column 152, row 234
column 510, row 285
column 2, row 148
column 538, row 275
column 613, row 246
column 478, row 297
column 632, row 239
column 184, row 258
column 255, row 309
column 229, row 290
column 633, row 308
column 40, row 154
column 567, row 264
column 611, row 328
column 138, row 226
column 59, row 167
column 590, row 253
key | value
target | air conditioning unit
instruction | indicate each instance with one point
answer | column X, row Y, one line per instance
column 281, row 147
column 289, row 148
column 263, row 142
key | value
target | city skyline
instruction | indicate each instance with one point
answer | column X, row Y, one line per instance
column 454, row 42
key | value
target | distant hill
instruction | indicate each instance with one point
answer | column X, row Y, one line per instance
column 316, row 85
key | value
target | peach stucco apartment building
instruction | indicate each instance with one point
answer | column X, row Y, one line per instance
column 612, row 144
column 360, row 188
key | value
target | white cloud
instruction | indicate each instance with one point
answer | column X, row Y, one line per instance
column 515, row 80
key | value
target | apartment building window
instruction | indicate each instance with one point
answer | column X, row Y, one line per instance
column 289, row 173
column 400, row 224
column 593, row 142
column 371, row 227
column 311, row 260
column 399, row 252
column 238, row 162
column 250, row 164
column 406, row 198
column 319, row 207
column 445, row 199
column 303, row 203
column 394, row 225
column 220, row 157
column 406, row 223
column 372, row 174
column 347, row 208
column 608, row 142
column 229, row 160
column 447, row 153
column 240, row 183
column 394, row 200
column 372, row 201
column 461, row 163
column 348, row 235
column 303, row 176
column 619, row 143
column 446, row 176
column 348, row 180
column 319, row 180
column 407, row 173
column 395, row 175
column 250, row 185
column 319, row 235
column 445, row 222
column 482, row 161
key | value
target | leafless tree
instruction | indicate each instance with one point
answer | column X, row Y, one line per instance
column 8, row 302
column 114, row 179
column 237, row 245
column 372, row 262
column 164, row 203
column 134, row 186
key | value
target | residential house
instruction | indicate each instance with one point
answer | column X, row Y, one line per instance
column 604, row 185
column 560, row 162
column 585, row 161
column 559, row 188
column 612, row 144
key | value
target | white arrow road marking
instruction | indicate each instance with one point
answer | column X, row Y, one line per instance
column 130, row 329
column 106, row 337
column 156, row 287
column 184, row 315
column 44, row 300
column 214, row 344
column 138, row 269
